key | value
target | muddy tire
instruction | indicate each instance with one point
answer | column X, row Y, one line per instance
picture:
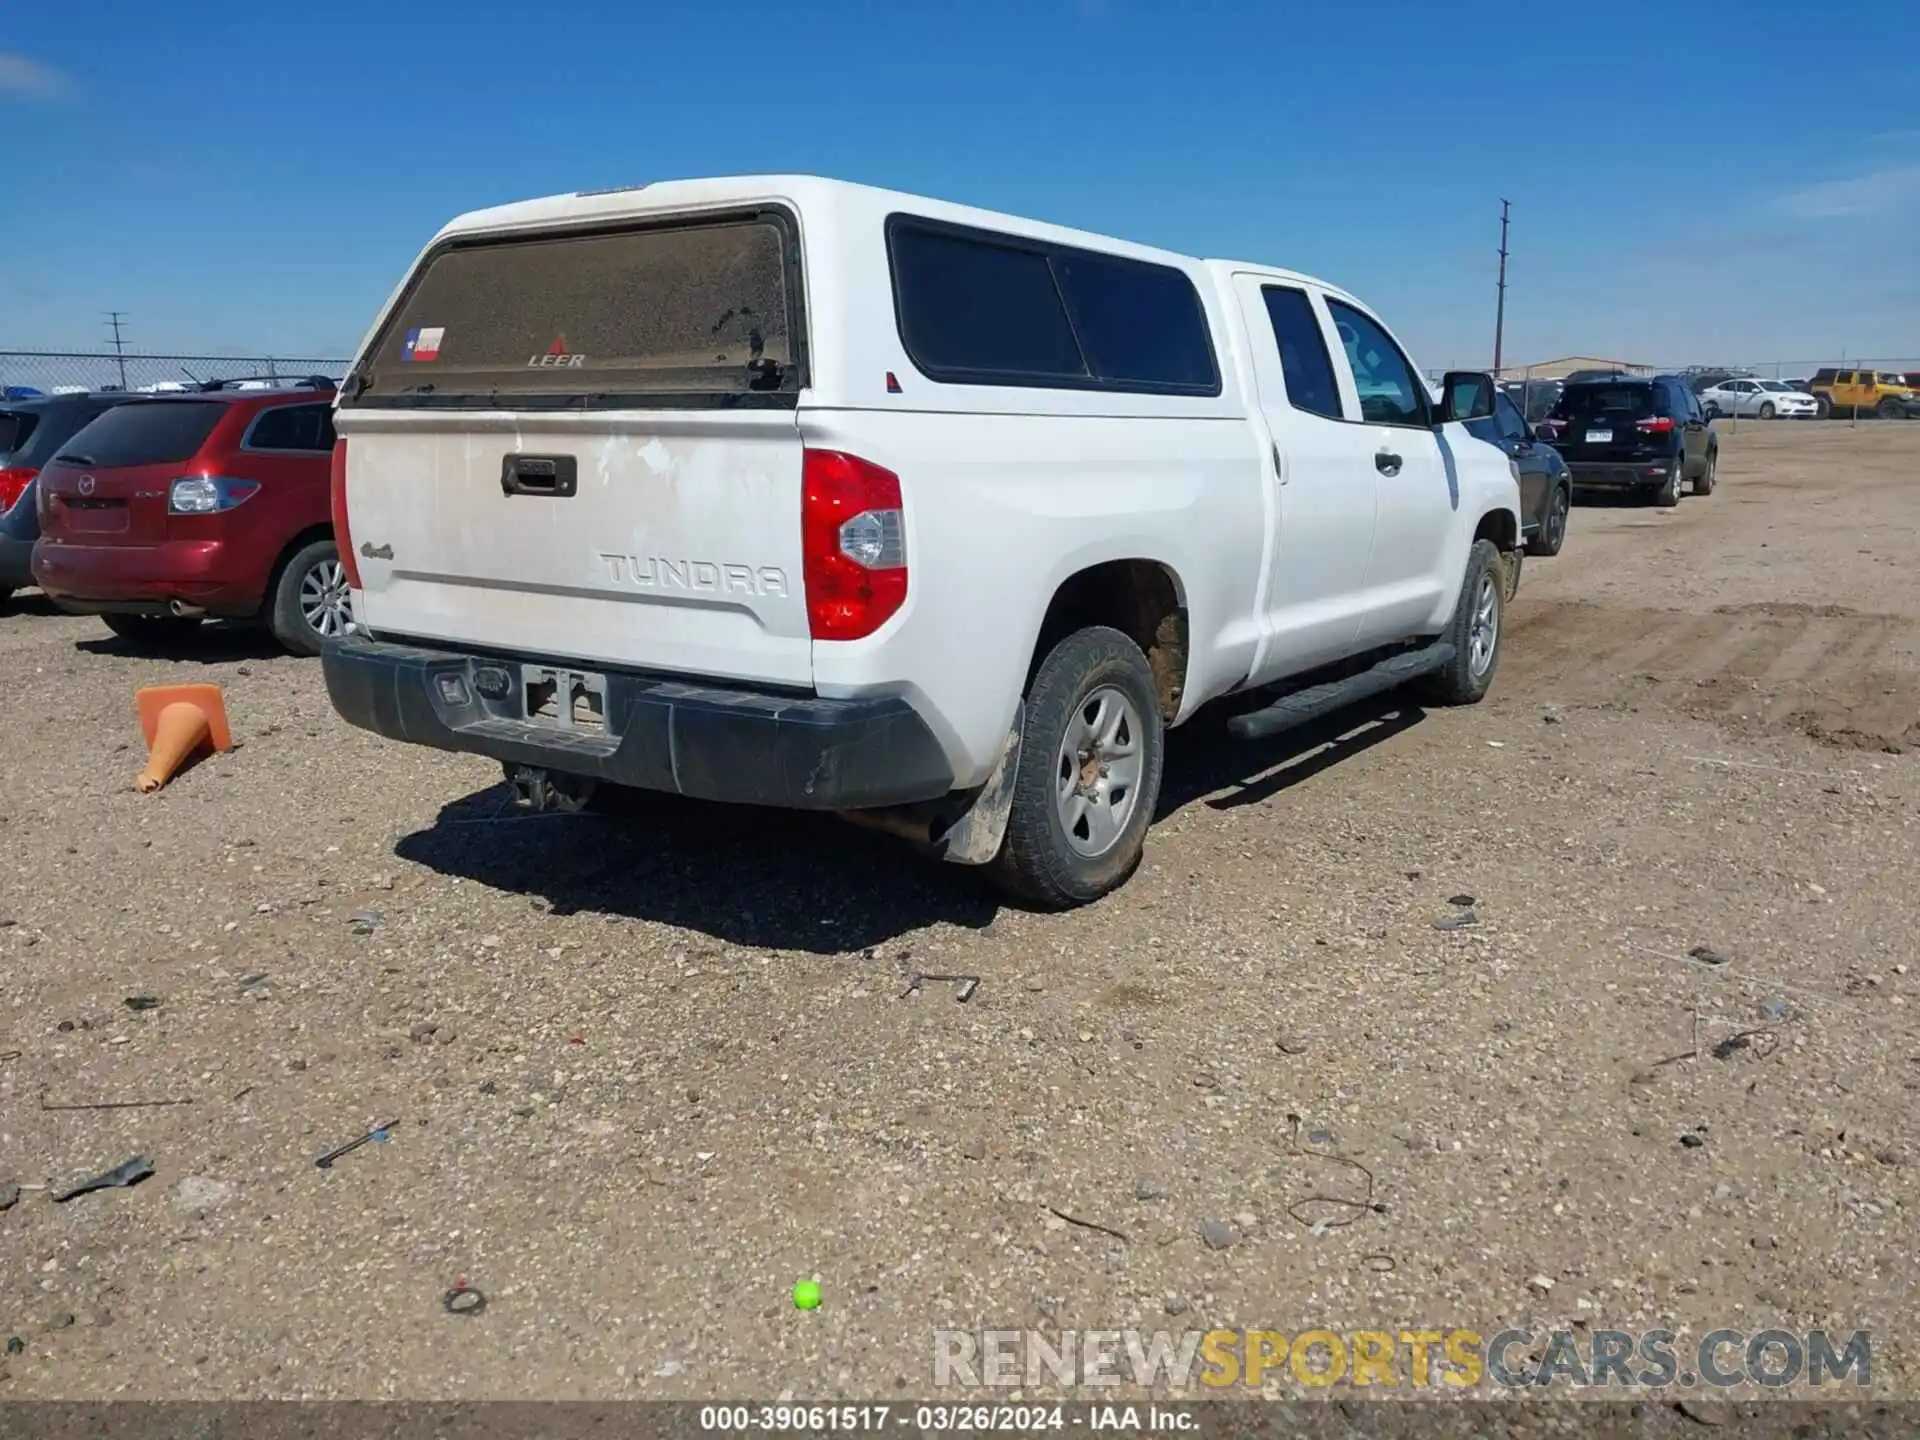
column 1476, row 630
column 152, row 632
column 1088, row 778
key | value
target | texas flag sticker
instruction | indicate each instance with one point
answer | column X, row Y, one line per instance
column 423, row 344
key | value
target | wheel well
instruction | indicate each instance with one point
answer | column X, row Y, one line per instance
column 304, row 538
column 1497, row 526
column 1139, row 598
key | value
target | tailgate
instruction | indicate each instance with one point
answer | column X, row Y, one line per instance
column 108, row 483
column 669, row 541
column 583, row 445
column 1619, row 423
column 122, row 506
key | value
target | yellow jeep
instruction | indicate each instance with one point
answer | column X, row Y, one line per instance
column 1842, row 393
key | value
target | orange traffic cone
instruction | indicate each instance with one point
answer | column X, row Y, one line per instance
column 177, row 720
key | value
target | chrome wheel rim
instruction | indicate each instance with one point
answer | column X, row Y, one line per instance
column 1484, row 633
column 1097, row 771
column 326, row 603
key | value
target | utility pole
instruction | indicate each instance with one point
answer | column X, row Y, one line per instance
column 119, row 347
column 1500, row 307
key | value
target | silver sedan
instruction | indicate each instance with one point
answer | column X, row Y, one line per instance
column 1759, row 399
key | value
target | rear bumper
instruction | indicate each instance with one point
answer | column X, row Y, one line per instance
column 1604, row 475
column 145, row 578
column 685, row 737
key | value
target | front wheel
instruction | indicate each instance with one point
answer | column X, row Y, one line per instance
column 1553, row 525
column 311, row 602
column 1475, row 632
column 1766, row 410
column 1088, row 776
column 1889, row 409
column 1822, row 407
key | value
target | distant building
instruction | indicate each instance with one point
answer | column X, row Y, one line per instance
column 1567, row 364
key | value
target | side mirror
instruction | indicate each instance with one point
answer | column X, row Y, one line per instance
column 1466, row 395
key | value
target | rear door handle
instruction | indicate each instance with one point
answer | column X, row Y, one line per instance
column 553, row 476
column 1386, row 462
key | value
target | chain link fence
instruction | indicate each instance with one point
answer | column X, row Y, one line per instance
column 49, row 372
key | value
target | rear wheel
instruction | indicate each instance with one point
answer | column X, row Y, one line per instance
column 1475, row 632
column 1766, row 409
column 1703, row 483
column 6, row 594
column 1553, row 524
column 1088, row 776
column 1668, row 495
column 310, row 603
column 1713, row 410
column 155, row 632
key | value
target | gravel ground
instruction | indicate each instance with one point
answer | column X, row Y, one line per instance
column 647, row 1075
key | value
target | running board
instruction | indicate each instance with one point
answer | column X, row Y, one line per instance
column 1317, row 700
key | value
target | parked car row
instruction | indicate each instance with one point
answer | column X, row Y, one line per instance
column 157, row 511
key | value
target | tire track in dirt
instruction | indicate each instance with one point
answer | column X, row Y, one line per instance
column 1823, row 671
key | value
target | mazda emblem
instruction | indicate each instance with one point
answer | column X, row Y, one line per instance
column 86, row 484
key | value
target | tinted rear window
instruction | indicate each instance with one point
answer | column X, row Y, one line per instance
column 156, row 433
column 985, row 309
column 306, row 428
column 586, row 319
column 970, row 309
column 15, row 427
column 1632, row 401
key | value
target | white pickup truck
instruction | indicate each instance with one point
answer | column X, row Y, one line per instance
column 784, row 491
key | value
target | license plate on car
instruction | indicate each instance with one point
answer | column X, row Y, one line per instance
column 1599, row 437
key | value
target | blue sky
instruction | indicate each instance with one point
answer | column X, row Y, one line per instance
column 1690, row 182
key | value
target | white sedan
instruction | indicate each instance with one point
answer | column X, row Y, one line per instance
column 1762, row 399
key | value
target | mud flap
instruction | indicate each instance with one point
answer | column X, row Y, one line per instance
column 1510, row 574
column 974, row 839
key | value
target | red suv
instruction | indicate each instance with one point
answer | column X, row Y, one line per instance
column 212, row 504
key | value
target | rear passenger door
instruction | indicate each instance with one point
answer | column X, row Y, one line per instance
column 1408, row 577
column 1325, row 485
column 289, row 450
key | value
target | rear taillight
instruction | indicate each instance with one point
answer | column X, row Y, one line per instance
column 208, row 494
column 342, row 538
column 14, row 480
column 1659, row 425
column 853, row 545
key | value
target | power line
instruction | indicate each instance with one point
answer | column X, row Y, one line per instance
column 119, row 346
column 1500, row 306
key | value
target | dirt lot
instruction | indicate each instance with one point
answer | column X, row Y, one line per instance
column 647, row 1076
